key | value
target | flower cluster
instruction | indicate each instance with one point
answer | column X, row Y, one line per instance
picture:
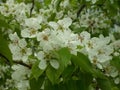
column 94, row 20
column 45, row 31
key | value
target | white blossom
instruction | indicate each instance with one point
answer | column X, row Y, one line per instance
column 117, row 80
column 61, row 24
column 31, row 26
column 54, row 64
column 42, row 65
column 20, row 76
column 18, row 48
column 93, row 1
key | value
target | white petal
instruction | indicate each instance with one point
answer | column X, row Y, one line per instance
column 25, row 58
column 54, row 25
column 93, row 1
column 114, row 73
column 42, row 64
column 54, row 64
column 117, row 81
column 99, row 66
column 25, row 33
column 14, row 37
column 40, row 55
column 22, row 43
column 66, row 22
column 17, row 56
column 28, row 51
column 40, row 19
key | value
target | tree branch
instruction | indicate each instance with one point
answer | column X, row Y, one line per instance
column 80, row 9
column 16, row 62
column 5, row 58
column 23, row 64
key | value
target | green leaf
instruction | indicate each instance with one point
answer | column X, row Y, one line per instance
column 38, row 5
column 79, row 30
column 104, row 84
column 64, row 56
column 115, row 88
column 74, row 3
column 72, row 85
column 116, row 62
column 49, row 86
column 85, row 81
column 47, row 2
column 52, row 17
column 67, row 73
column 111, row 7
column 3, row 22
column 36, row 84
column 36, row 71
column 91, row 87
column 57, row 4
column 4, row 49
column 53, row 74
column 83, row 62
column 98, row 74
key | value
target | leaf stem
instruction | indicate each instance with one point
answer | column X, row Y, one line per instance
column 33, row 3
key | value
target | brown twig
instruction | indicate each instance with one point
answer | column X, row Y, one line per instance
column 80, row 9
column 23, row 64
column 5, row 58
column 7, row 61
